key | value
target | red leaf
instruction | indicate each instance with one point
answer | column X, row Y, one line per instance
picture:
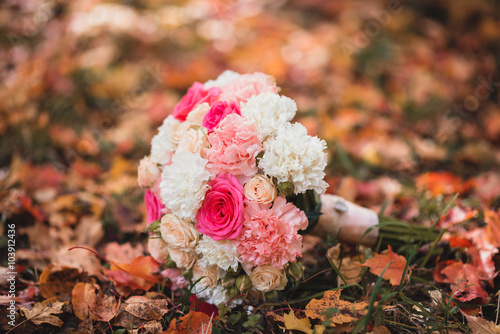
column 465, row 282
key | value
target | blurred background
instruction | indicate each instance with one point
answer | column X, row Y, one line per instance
column 397, row 88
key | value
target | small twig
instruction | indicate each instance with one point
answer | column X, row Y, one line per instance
column 498, row 307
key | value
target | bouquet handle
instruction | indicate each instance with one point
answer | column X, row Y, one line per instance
column 346, row 221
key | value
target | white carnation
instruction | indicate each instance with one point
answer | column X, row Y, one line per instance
column 162, row 145
column 184, row 183
column 223, row 79
column 222, row 253
column 269, row 112
column 296, row 157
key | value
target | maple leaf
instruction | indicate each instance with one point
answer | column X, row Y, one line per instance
column 394, row 272
column 347, row 311
column 43, row 312
column 293, row 323
column 465, row 282
column 479, row 325
column 139, row 274
column 90, row 303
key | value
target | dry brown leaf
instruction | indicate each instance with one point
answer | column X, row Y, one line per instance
column 331, row 299
column 349, row 265
column 43, row 312
column 56, row 280
column 293, row 323
column 480, row 325
column 90, row 303
column 394, row 272
column 146, row 308
column 151, row 327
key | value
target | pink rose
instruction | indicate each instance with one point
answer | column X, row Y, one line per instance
column 218, row 111
column 195, row 95
column 221, row 214
column 235, row 146
column 154, row 206
column 246, row 86
column 270, row 234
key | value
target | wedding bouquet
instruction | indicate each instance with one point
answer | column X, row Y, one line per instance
column 225, row 172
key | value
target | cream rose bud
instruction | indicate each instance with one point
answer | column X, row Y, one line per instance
column 148, row 173
column 268, row 278
column 183, row 260
column 178, row 233
column 195, row 117
column 260, row 189
column 207, row 276
column 194, row 140
column 158, row 248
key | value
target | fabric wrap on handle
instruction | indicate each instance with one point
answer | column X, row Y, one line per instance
column 346, row 221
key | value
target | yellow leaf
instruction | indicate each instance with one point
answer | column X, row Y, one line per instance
column 347, row 311
column 293, row 323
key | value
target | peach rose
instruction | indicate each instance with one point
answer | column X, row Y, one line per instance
column 178, row 233
column 268, row 278
column 207, row 276
column 260, row 189
column 158, row 248
column 196, row 115
column 148, row 173
column 194, row 140
column 184, row 260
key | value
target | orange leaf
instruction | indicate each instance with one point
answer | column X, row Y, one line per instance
column 347, row 311
column 141, row 273
column 465, row 281
column 438, row 183
column 492, row 218
column 90, row 303
column 193, row 322
column 394, row 272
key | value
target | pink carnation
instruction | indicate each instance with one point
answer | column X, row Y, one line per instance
column 246, row 86
column 154, row 206
column 195, row 95
column 235, row 144
column 221, row 214
column 217, row 112
column 270, row 235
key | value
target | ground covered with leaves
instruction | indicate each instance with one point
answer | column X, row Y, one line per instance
column 405, row 93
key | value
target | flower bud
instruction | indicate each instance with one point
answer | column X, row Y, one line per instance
column 243, row 283
column 228, row 281
column 296, row 270
column 287, row 188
